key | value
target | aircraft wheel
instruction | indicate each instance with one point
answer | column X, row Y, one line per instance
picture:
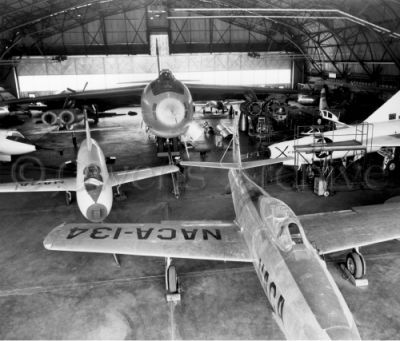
column 68, row 198
column 326, row 194
column 355, row 265
column 391, row 166
column 172, row 279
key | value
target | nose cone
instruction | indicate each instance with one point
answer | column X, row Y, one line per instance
column 343, row 333
column 96, row 213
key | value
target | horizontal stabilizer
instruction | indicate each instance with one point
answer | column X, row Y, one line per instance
column 84, row 130
column 118, row 178
column 210, row 240
column 234, row 165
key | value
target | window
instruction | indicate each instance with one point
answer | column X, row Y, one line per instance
column 281, row 302
column 266, row 275
column 272, row 291
column 392, row 116
column 295, row 233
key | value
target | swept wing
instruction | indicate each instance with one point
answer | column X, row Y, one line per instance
column 118, row 178
column 124, row 96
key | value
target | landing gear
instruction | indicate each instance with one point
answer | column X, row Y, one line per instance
column 171, row 282
column 355, row 268
column 68, row 198
column 355, row 263
column 118, row 194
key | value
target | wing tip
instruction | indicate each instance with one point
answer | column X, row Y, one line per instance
column 49, row 239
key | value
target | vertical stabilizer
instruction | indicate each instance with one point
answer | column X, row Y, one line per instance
column 390, row 110
column 236, row 143
column 323, row 104
column 88, row 137
column 158, row 57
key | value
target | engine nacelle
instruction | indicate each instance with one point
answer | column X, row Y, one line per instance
column 62, row 117
column 50, row 118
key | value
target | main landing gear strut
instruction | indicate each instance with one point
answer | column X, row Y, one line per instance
column 355, row 268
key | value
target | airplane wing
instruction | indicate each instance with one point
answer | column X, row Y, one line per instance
column 118, row 178
column 210, row 240
column 234, row 165
column 107, row 99
column 50, row 185
column 360, row 226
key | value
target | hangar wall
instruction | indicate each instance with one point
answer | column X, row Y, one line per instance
column 142, row 67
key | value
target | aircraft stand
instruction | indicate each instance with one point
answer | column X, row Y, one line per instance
column 171, row 282
column 321, row 165
column 178, row 178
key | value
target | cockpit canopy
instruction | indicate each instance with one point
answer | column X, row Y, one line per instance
column 92, row 177
column 282, row 223
column 166, row 75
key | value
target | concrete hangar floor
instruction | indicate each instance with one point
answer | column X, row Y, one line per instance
column 59, row 295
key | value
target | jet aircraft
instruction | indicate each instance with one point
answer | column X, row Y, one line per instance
column 305, row 300
column 167, row 103
column 93, row 183
column 378, row 133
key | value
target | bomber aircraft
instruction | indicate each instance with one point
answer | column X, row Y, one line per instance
column 306, row 301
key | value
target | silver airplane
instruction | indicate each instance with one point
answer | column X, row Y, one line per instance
column 306, row 301
column 93, row 183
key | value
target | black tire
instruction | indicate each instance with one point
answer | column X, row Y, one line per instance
column 391, row 167
column 355, row 265
column 68, row 198
column 172, row 279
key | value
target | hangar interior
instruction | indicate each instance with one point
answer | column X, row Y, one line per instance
column 86, row 53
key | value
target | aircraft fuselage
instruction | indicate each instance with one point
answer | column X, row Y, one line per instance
column 306, row 301
column 167, row 106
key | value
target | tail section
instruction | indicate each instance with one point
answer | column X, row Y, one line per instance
column 237, row 157
column 88, row 137
column 323, row 104
column 390, row 110
column 6, row 95
column 158, row 57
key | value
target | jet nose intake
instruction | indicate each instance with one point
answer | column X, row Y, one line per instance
column 96, row 213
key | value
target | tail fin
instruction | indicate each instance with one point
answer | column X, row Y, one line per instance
column 323, row 104
column 237, row 157
column 158, row 57
column 88, row 137
column 6, row 95
column 390, row 110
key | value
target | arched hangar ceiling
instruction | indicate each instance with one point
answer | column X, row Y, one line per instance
column 342, row 36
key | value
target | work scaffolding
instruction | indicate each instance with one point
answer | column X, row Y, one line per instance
column 350, row 142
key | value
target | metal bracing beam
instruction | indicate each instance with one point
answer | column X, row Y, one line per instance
column 68, row 20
